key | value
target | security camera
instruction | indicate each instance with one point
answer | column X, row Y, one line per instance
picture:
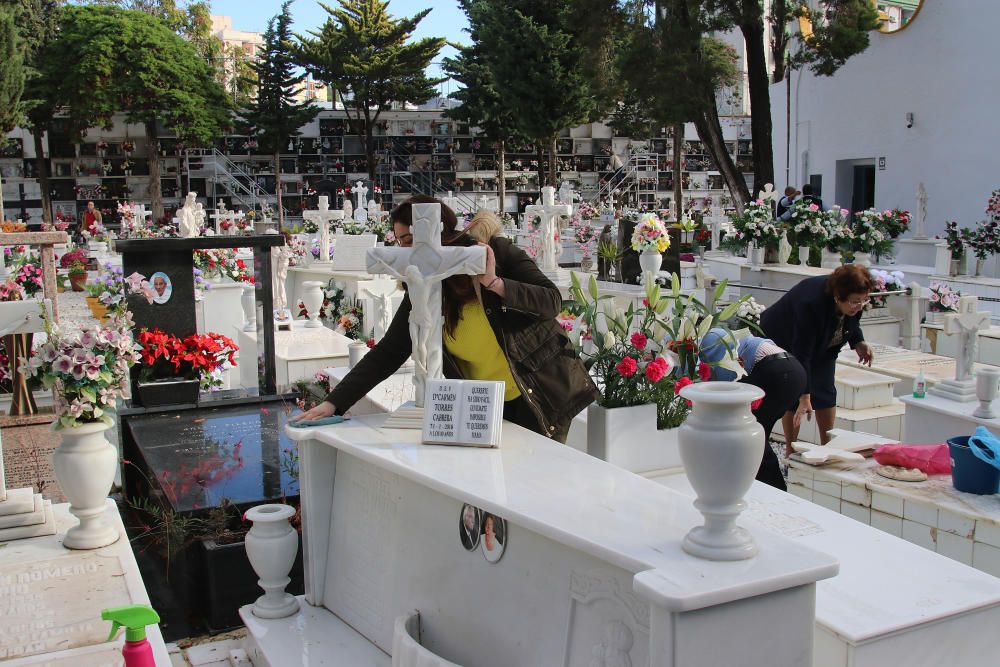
column 909, row 120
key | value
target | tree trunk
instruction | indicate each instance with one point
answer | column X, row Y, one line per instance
column 501, row 176
column 277, row 189
column 678, row 171
column 155, row 193
column 779, row 41
column 540, row 158
column 760, row 104
column 42, row 167
column 370, row 147
column 710, row 133
column 553, row 174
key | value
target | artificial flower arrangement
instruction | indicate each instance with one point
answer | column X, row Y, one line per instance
column 647, row 354
column 993, row 206
column 885, row 281
column 127, row 146
column 95, row 233
column 309, row 226
column 749, row 312
column 109, row 286
column 756, row 225
column 838, row 233
column 944, row 299
column 650, row 234
column 953, row 237
column 11, row 227
column 222, row 263
column 867, row 233
column 984, row 240
column 807, row 224
column 895, row 221
column 29, row 276
column 199, row 357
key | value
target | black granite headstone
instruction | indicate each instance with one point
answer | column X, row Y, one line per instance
column 630, row 260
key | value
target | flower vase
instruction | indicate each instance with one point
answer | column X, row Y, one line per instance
column 803, row 255
column 312, row 299
column 650, row 262
column 863, row 259
column 355, row 351
column 987, row 387
column 586, row 263
column 721, row 427
column 271, row 546
column 249, row 302
column 979, row 267
column 830, row 259
column 627, row 437
column 85, row 464
column 756, row 257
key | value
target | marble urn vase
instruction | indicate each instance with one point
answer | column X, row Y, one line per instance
column 312, row 299
column 721, row 445
column 271, row 546
column 248, row 300
column 85, row 464
column 650, row 261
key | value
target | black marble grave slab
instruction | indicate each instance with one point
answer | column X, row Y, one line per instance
column 198, row 457
column 631, row 272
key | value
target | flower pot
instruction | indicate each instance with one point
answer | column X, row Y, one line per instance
column 934, row 317
column 85, row 464
column 979, row 266
column 627, row 438
column 863, row 258
column 650, row 262
column 721, row 445
column 355, row 351
column 803, row 255
column 272, row 545
column 77, row 281
column 987, row 379
column 587, row 264
column 312, row 299
column 170, row 391
column 830, row 259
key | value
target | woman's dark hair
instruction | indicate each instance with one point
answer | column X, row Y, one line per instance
column 456, row 290
column 849, row 279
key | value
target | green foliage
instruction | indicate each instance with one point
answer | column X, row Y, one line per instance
column 839, row 31
column 483, row 105
column 243, row 76
column 11, row 70
column 362, row 50
column 275, row 116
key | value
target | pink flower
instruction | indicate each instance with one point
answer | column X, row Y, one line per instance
column 656, row 369
column 627, row 367
column 704, row 372
column 566, row 325
column 639, row 340
column 680, row 384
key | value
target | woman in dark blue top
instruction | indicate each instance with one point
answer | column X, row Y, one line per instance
column 813, row 321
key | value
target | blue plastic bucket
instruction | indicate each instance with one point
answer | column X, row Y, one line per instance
column 968, row 473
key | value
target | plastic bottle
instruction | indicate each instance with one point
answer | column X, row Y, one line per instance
column 919, row 386
column 135, row 618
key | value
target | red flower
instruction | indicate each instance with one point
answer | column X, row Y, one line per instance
column 627, row 367
column 756, row 404
column 704, row 372
column 370, row 343
column 639, row 340
column 656, row 369
column 645, row 302
column 683, row 382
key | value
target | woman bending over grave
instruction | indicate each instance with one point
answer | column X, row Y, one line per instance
column 813, row 321
column 499, row 325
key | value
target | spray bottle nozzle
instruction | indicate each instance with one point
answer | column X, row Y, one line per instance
column 134, row 617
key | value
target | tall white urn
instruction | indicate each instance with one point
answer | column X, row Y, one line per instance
column 650, row 262
column 312, row 299
column 721, row 445
column 271, row 545
column 85, row 464
column 249, row 302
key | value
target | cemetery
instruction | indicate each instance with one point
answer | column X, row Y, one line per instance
column 695, row 385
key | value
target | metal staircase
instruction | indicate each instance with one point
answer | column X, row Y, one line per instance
column 237, row 184
column 624, row 183
column 397, row 166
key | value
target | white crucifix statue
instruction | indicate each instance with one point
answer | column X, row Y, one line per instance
column 380, row 292
column 323, row 216
column 423, row 267
column 549, row 212
column 221, row 213
column 966, row 324
column 921, row 220
column 361, row 207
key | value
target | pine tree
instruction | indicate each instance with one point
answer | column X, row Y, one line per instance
column 11, row 77
column 275, row 117
column 364, row 51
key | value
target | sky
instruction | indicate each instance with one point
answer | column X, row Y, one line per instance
column 446, row 19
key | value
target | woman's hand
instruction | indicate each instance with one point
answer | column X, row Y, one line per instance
column 865, row 353
column 805, row 409
column 321, row 411
column 490, row 280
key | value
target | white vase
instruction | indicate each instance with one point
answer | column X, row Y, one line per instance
column 627, row 438
column 249, row 302
column 85, row 464
column 406, row 648
column 979, row 266
column 803, row 255
column 756, row 257
column 721, row 445
column 830, row 259
column 355, row 351
column 650, row 262
column 987, row 387
column 863, row 258
column 312, row 299
column 271, row 545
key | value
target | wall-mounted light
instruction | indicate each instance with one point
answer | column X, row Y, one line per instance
column 909, row 119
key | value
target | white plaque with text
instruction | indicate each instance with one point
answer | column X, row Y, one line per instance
column 463, row 412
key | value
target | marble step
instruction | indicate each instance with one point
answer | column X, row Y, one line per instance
column 859, row 389
column 32, row 517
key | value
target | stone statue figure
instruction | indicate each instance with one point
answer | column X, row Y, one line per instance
column 191, row 217
column 281, row 257
column 784, row 249
column 566, row 193
column 348, row 209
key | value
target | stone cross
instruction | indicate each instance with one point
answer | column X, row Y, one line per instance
column 921, row 220
column 361, row 191
column 967, row 323
column 484, row 203
column 423, row 267
column 221, row 213
column 139, row 215
column 380, row 292
column 549, row 212
column 323, row 216
column 451, row 201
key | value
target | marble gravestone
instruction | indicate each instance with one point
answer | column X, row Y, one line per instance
column 422, row 268
column 350, row 251
column 967, row 323
column 549, row 212
column 361, row 209
column 323, row 216
column 630, row 270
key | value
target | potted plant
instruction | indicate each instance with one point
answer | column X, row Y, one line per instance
column 755, row 230
column 984, row 242
column 867, row 236
column 806, row 223
column 838, row 237
column 174, row 370
column 956, row 246
column 77, row 276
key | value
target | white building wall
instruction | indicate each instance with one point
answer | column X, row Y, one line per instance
column 942, row 69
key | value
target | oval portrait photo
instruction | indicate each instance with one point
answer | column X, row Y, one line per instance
column 162, row 287
column 469, row 526
column 494, row 538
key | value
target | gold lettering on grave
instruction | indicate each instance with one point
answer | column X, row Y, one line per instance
column 55, row 605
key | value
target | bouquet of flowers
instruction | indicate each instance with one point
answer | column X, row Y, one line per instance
column 350, row 320
column 650, row 234
column 96, row 233
column 196, row 357
column 808, row 224
column 885, row 281
column 127, row 146
column 756, row 225
column 584, row 236
column 838, row 234
column 749, row 312
column 867, row 234
column 993, row 206
column 109, row 286
column 984, row 240
column 895, row 221
column 953, row 237
column 309, row 226
column 586, row 211
column 222, row 263
column 87, row 369
column 944, row 299
column 29, row 277
column 10, row 227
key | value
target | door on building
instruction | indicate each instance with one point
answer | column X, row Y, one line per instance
column 863, row 191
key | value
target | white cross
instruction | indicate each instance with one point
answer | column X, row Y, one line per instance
column 422, row 268
column 768, row 194
column 323, row 216
column 139, row 215
column 967, row 323
column 484, row 203
column 361, row 191
column 221, row 213
column 548, row 211
column 451, row 201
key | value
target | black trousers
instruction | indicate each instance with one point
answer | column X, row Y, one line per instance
column 783, row 380
column 519, row 412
